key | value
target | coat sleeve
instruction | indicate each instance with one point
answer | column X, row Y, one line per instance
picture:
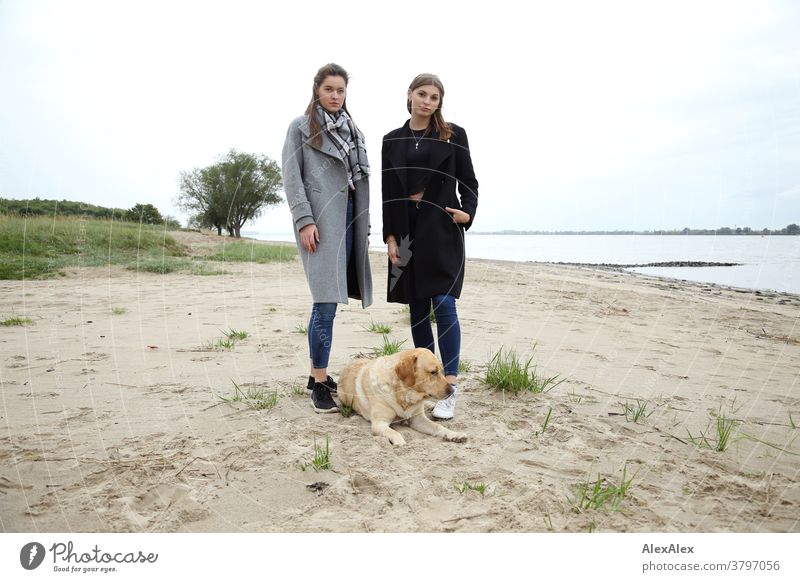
column 465, row 174
column 292, row 170
column 385, row 194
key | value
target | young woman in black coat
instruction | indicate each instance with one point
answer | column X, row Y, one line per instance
column 430, row 196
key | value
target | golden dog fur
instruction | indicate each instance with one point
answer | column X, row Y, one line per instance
column 393, row 388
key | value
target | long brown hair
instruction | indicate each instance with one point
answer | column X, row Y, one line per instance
column 439, row 124
column 329, row 70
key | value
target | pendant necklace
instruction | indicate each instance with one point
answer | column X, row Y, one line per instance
column 414, row 135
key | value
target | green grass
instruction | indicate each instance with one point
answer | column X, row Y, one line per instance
column 546, row 422
column 602, row 494
column 40, row 248
column 345, row 410
column 119, row 310
column 467, row 486
column 388, row 348
column 378, row 328
column 322, row 457
column 301, row 328
column 636, row 412
column 255, row 252
column 13, row 321
column 718, row 436
column 464, row 366
column 507, row 372
column 234, row 335
column 257, row 399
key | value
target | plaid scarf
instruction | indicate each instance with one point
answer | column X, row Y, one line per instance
column 349, row 141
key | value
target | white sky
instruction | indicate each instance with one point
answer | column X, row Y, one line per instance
column 580, row 115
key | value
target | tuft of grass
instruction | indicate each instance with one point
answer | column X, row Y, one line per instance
column 14, row 321
column 257, row 399
column 548, row 522
column 718, row 440
column 379, row 328
column 637, row 412
column 322, row 457
column 467, row 486
column 506, row 371
column 345, row 410
column 464, row 366
column 792, row 422
column 119, row 310
column 298, row 390
column 255, row 252
column 602, row 494
column 388, row 348
column 234, row 335
column 301, row 328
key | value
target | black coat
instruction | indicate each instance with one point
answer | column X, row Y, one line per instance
column 435, row 259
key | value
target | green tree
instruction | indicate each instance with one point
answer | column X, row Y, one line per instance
column 229, row 193
column 793, row 229
column 145, row 213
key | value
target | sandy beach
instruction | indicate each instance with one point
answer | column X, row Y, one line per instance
column 112, row 421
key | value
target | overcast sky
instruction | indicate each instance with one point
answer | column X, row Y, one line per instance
column 581, row 115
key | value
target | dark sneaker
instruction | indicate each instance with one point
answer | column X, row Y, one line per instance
column 332, row 386
column 321, row 398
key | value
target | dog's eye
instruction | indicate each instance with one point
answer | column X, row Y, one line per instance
column 434, row 372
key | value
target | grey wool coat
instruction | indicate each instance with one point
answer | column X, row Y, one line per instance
column 315, row 183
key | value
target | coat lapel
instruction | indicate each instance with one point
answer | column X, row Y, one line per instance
column 326, row 147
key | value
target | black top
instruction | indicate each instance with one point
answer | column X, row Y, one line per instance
column 418, row 159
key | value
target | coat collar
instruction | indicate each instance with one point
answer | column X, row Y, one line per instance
column 398, row 145
column 326, row 147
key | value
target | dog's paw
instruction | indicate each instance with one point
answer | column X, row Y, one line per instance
column 397, row 441
column 456, row 437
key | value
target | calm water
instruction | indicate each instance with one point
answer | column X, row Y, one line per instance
column 768, row 263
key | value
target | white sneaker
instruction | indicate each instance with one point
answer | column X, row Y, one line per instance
column 445, row 409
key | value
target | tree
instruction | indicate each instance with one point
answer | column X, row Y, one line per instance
column 144, row 213
column 229, row 193
column 793, row 229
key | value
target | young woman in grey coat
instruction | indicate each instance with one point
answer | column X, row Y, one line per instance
column 326, row 181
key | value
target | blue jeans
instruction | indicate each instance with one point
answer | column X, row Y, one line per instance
column 447, row 327
column 320, row 324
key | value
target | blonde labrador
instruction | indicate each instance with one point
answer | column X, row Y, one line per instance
column 392, row 388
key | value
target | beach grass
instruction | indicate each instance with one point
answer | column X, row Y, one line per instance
column 345, row 410
column 251, row 251
column 388, row 347
column 601, row 494
column 467, row 486
column 41, row 248
column 254, row 397
column 378, row 328
column 636, row 412
column 301, row 328
column 235, row 335
column 16, row 321
column 464, row 366
column 322, row 457
column 506, row 371
column 546, row 422
column 119, row 310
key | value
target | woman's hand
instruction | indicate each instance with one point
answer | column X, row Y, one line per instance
column 394, row 250
column 459, row 216
column 309, row 237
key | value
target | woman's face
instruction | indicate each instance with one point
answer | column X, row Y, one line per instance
column 425, row 100
column 331, row 93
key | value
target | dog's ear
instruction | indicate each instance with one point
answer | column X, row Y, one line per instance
column 406, row 369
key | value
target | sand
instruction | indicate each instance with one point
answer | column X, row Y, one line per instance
column 112, row 421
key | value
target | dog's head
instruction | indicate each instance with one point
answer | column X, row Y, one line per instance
column 421, row 372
